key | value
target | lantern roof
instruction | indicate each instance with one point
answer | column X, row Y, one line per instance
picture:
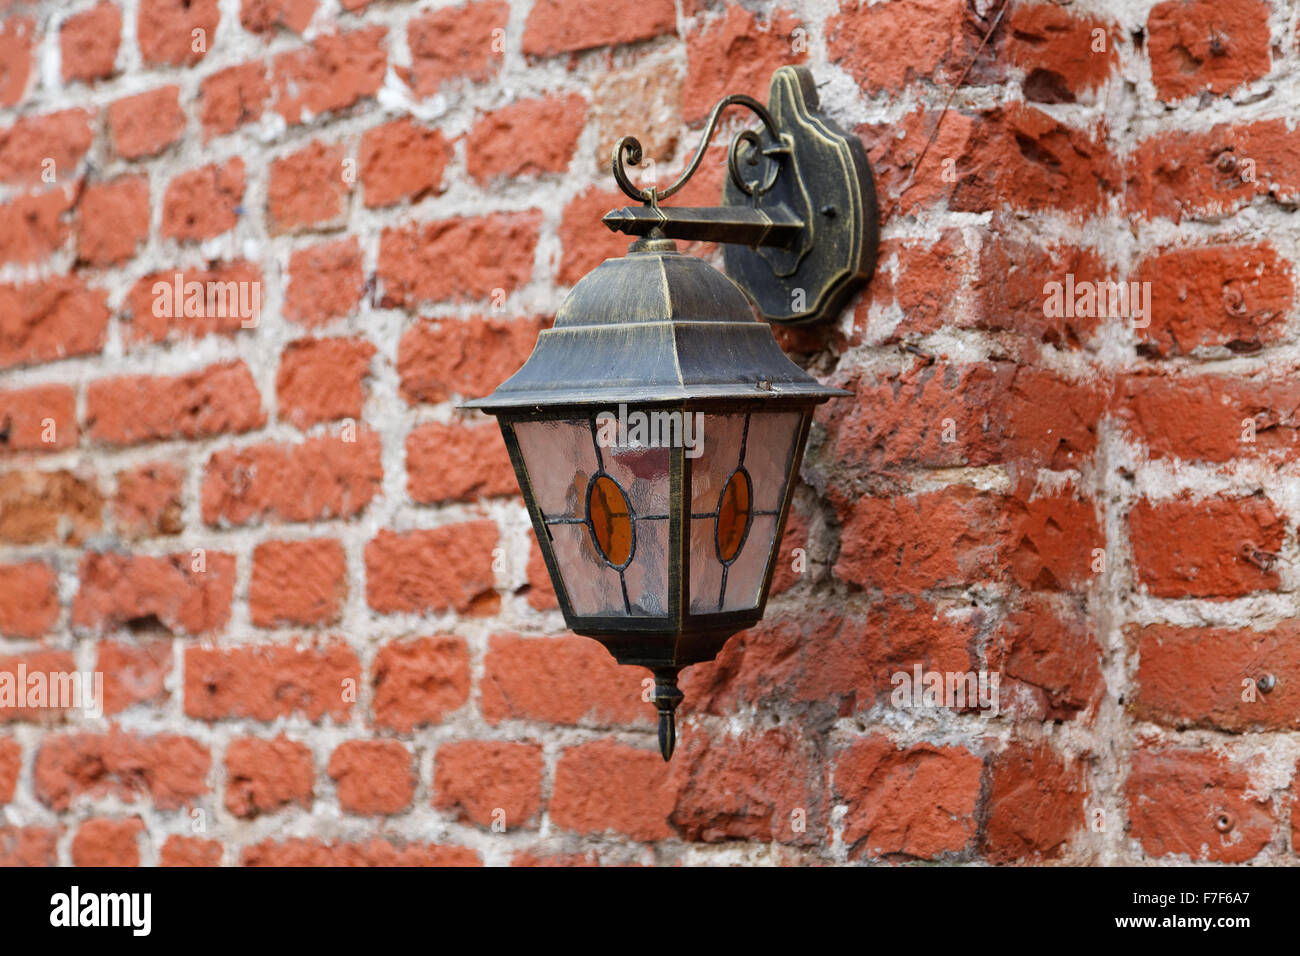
column 655, row 326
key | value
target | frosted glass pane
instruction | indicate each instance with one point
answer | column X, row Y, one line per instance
column 710, row 471
column 647, row 575
column 643, row 473
column 745, row 575
column 560, row 458
column 592, row 584
column 706, row 569
column 767, row 455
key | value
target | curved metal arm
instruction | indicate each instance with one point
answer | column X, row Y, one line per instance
column 631, row 146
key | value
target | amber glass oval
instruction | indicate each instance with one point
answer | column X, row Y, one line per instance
column 733, row 516
column 611, row 520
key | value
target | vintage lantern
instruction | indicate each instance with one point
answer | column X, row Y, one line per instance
column 657, row 429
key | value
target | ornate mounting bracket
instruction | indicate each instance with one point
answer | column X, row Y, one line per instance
column 801, row 230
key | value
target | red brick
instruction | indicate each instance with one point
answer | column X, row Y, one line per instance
column 373, row 776
column 1009, row 290
column 114, row 220
column 33, row 226
column 457, row 259
column 1203, row 417
column 1204, row 677
column 1206, row 174
column 1053, row 535
column 231, row 97
column 190, row 851
column 134, row 673
column 553, row 124
column 439, row 358
column 943, row 415
column 1035, row 804
column 119, row 590
column 762, row 786
column 319, row 478
column 607, row 786
column 220, row 399
column 11, row 762
column 171, row 770
column 264, row 682
column 103, row 842
column 40, row 705
column 325, row 282
column 61, row 138
column 531, row 678
column 297, row 582
column 88, row 43
column 147, row 123
column 1016, row 158
column 1049, row 658
column 1063, row 53
column 1178, row 801
column 31, row 415
column 541, row 592
column 839, row 665
column 29, row 846
column 1185, row 548
column 205, row 202
column 165, row 29
column 940, row 38
column 263, row 776
column 418, row 682
column 153, row 314
column 149, row 501
column 917, row 802
column 567, row 26
column 322, row 380
column 490, row 783
column 29, row 599
column 434, row 570
column 267, row 16
column 465, row 41
column 307, row 188
column 1232, row 296
column 525, row 858
column 403, row 160
column 54, row 506
column 52, row 319
column 17, row 38
column 338, row 70
column 298, row 851
column 949, row 538
column 457, row 463
column 1199, row 45
column 645, row 96
column 584, row 241
column 737, row 53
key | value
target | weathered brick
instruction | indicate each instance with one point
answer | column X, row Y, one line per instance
column 418, row 682
column 530, row 678
column 88, row 43
column 443, row 568
column 338, row 70
column 566, row 26
column 169, row 769
column 147, row 123
column 263, row 776
column 444, row 357
column 606, row 786
column 373, row 776
column 403, row 160
column 264, row 682
column 297, row 582
column 52, row 319
column 217, row 400
column 325, row 282
column 205, row 202
column 188, row 591
column 29, row 599
column 307, row 188
column 457, row 463
column 322, row 380
column 552, row 123
column 490, row 783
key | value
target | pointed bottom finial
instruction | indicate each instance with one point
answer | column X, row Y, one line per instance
column 666, row 698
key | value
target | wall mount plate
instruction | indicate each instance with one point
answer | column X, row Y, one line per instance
column 799, row 219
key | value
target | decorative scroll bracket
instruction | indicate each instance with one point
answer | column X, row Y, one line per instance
column 801, row 236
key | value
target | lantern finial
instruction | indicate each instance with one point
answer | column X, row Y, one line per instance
column 666, row 698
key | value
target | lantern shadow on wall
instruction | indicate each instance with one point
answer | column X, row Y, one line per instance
column 657, row 429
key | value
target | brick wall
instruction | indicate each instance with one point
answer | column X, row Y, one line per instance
column 308, row 580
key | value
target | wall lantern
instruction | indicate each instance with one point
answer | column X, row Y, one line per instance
column 656, row 430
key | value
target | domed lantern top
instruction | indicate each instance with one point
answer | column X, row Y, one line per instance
column 656, row 432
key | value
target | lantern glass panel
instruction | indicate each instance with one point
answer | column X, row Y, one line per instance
column 606, row 509
column 737, row 487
